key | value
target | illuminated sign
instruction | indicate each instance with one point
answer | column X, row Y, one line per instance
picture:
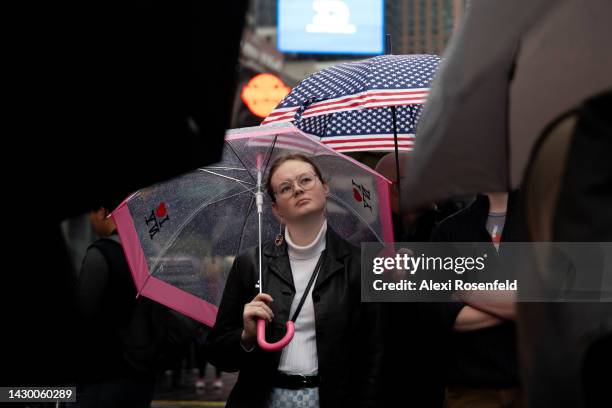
column 331, row 26
column 262, row 93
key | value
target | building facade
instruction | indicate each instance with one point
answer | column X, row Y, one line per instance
column 422, row 26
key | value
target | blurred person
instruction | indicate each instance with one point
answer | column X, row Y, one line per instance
column 202, row 361
column 481, row 361
column 410, row 362
column 106, row 299
column 566, row 198
column 154, row 56
column 333, row 363
column 415, row 225
column 124, row 339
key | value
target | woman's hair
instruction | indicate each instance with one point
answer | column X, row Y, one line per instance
column 285, row 158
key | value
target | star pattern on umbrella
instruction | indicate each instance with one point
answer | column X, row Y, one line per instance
column 386, row 72
column 349, row 105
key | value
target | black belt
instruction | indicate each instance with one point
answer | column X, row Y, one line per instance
column 295, row 382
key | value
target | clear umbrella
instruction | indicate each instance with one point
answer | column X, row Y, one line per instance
column 180, row 237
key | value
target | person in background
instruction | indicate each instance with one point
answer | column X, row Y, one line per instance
column 481, row 354
column 201, row 360
column 124, row 339
column 410, row 357
column 415, row 225
column 106, row 299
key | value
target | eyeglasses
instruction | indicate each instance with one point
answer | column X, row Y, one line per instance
column 304, row 181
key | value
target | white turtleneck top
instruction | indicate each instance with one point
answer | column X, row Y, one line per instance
column 300, row 355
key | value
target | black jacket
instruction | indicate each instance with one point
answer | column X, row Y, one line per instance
column 487, row 357
column 348, row 344
column 106, row 299
column 123, row 336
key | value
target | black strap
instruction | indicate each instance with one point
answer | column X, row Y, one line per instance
column 310, row 282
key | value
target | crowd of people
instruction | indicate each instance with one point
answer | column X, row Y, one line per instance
column 344, row 352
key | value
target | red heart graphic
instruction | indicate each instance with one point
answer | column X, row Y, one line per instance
column 161, row 210
column 357, row 195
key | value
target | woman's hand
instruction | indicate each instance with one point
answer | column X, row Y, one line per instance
column 258, row 308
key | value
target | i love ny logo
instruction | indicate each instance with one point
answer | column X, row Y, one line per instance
column 156, row 219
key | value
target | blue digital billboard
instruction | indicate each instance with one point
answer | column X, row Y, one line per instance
column 331, row 26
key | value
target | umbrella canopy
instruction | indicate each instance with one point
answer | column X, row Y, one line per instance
column 348, row 105
column 180, row 237
column 501, row 83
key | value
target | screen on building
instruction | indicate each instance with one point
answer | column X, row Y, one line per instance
column 331, row 26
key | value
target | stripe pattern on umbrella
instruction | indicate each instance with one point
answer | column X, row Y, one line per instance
column 347, row 105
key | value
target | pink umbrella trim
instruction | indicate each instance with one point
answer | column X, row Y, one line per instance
column 152, row 287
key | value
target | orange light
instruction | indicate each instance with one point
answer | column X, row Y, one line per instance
column 262, row 93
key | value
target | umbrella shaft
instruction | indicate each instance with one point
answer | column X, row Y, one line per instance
column 259, row 202
column 260, row 281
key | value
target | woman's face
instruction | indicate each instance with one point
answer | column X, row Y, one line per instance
column 300, row 203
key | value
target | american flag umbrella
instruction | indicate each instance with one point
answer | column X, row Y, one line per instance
column 350, row 105
column 180, row 237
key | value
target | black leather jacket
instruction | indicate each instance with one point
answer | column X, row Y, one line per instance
column 349, row 348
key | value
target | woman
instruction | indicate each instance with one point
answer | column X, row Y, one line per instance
column 333, row 359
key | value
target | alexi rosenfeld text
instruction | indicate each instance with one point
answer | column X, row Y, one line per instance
column 408, row 265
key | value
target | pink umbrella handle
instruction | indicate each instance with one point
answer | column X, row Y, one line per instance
column 261, row 336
